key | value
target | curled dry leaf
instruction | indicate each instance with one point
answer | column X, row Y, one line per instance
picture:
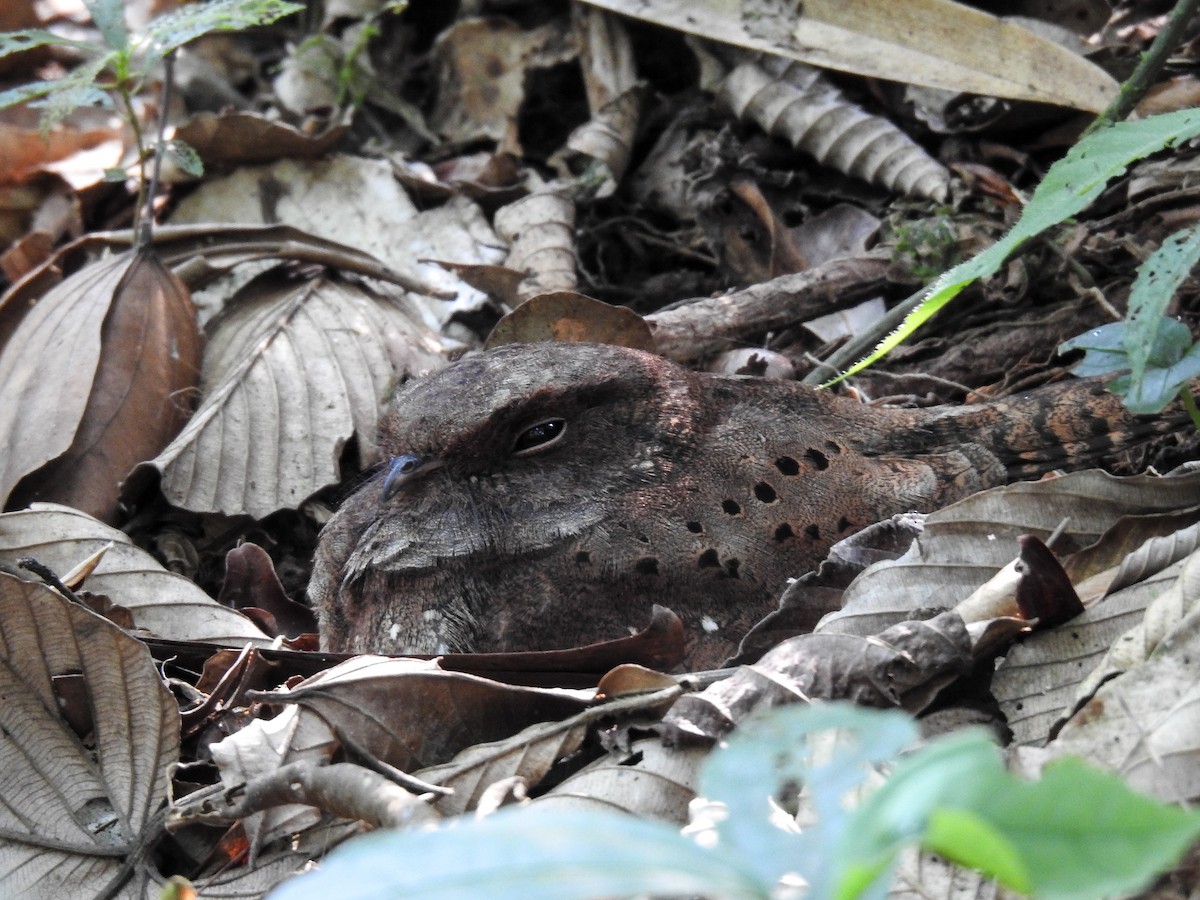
column 142, row 390
column 904, row 665
column 649, row 779
column 527, row 755
column 540, row 231
column 411, row 713
column 162, row 602
column 294, row 370
column 964, row 544
column 607, row 138
column 568, row 316
column 78, row 812
column 263, row 747
column 235, row 137
column 252, row 586
column 796, row 102
column 96, row 378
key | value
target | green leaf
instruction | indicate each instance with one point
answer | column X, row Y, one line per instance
column 1161, row 383
column 75, row 89
column 1104, row 350
column 1068, row 188
column 766, row 756
column 972, row 841
column 1083, row 833
column 1158, row 278
column 172, row 31
column 184, row 155
column 527, row 854
column 18, row 41
column 109, row 16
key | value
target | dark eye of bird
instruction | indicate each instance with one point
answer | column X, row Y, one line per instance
column 540, row 436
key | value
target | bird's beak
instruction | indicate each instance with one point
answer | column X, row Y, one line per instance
column 402, row 469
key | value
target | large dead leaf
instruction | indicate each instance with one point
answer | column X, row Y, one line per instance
column 413, row 714
column 1145, row 723
column 356, row 202
column 162, row 602
column 50, row 360
column 79, row 802
column 967, row 542
column 905, row 666
column 294, row 369
column 149, row 350
column 935, row 43
column 649, row 779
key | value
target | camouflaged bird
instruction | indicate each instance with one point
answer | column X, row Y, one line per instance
column 546, row 495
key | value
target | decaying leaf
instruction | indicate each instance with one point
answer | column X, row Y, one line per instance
column 79, row 809
column 964, row 544
column 413, row 714
column 294, row 369
column 237, row 137
column 107, row 359
column 162, row 602
column 482, row 65
column 568, row 316
column 936, row 43
column 905, row 666
column 142, row 391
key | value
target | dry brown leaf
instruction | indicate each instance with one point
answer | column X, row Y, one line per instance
column 567, row 316
column 78, row 809
column 357, row 203
column 162, row 602
column 236, row 137
column 483, row 64
column 936, row 43
column 964, row 544
column 1145, row 724
column 649, row 779
column 294, row 369
column 412, row 714
column 142, row 391
column 904, row 665
column 528, row 755
column 98, row 369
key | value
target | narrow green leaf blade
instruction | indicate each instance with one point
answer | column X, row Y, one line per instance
column 18, row 41
column 1069, row 187
column 172, row 31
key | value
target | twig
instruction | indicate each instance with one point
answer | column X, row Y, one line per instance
column 1135, row 86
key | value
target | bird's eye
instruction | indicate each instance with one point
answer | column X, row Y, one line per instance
column 540, row 436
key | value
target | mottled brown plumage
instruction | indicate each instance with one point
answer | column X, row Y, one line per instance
column 547, row 495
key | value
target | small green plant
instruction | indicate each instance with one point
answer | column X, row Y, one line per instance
column 1153, row 352
column 1077, row 833
column 1069, row 187
column 120, row 67
column 928, row 245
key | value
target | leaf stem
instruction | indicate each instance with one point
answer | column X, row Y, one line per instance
column 1189, row 403
column 1135, row 86
column 145, row 227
